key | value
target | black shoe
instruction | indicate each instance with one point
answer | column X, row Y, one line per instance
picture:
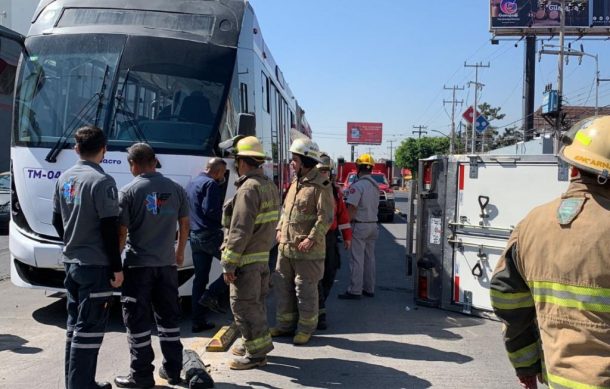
column 129, row 382
column 103, row 385
column 349, row 296
column 322, row 322
column 174, row 380
column 368, row 294
column 211, row 303
column 200, row 327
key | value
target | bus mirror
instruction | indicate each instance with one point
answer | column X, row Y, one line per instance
column 247, row 124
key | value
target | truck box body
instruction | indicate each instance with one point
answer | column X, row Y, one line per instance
column 467, row 208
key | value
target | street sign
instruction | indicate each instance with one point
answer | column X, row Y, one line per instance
column 467, row 115
column 481, row 124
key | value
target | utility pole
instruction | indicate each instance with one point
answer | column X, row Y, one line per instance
column 562, row 25
column 391, row 147
column 420, row 130
column 453, row 103
column 477, row 85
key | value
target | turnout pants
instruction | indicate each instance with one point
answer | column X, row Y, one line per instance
column 248, row 303
column 89, row 292
column 362, row 261
column 148, row 291
column 297, row 293
column 332, row 262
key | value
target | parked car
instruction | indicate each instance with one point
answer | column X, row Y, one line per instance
column 5, row 200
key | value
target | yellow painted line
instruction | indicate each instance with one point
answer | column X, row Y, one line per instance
column 223, row 339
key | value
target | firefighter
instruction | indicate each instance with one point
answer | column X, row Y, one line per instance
column 551, row 287
column 362, row 204
column 301, row 233
column 250, row 217
column 332, row 259
column 151, row 207
column 85, row 216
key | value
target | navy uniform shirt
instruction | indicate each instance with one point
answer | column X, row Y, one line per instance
column 84, row 194
column 151, row 205
column 205, row 203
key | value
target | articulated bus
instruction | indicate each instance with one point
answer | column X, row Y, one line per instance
column 182, row 75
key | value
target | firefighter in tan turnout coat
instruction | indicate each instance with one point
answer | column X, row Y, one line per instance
column 250, row 217
column 307, row 216
column 551, row 287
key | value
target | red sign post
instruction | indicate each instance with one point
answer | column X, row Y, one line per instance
column 364, row 133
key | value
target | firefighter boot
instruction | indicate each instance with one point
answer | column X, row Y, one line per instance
column 301, row 338
column 245, row 363
column 238, row 349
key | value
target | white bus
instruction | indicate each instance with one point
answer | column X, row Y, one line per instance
column 181, row 75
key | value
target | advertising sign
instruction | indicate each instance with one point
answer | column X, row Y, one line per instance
column 364, row 133
column 468, row 114
column 517, row 17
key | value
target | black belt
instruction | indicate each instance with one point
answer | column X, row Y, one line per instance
column 357, row 221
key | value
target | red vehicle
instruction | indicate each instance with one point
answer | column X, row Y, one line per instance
column 346, row 175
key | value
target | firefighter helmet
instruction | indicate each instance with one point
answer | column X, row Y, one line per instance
column 306, row 147
column 326, row 162
column 589, row 146
column 365, row 159
column 249, row 146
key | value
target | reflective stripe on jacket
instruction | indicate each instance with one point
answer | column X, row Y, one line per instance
column 308, row 213
column 250, row 216
column 551, row 288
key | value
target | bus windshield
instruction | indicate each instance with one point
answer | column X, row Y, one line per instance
column 166, row 92
column 171, row 96
column 59, row 83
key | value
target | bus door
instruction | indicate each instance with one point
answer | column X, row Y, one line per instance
column 11, row 47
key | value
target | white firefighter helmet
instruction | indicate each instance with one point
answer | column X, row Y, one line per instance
column 326, row 162
column 306, row 148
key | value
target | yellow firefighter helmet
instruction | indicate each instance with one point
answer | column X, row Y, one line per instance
column 589, row 147
column 249, row 146
column 365, row 159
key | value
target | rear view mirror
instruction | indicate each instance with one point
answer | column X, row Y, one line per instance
column 247, row 124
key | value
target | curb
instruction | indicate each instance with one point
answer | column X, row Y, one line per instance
column 223, row 339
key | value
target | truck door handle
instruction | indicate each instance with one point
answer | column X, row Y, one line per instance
column 483, row 202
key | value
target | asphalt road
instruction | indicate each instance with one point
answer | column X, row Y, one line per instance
column 380, row 342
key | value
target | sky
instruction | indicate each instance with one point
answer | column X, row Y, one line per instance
column 388, row 61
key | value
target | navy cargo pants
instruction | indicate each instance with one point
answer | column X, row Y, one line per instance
column 89, row 292
column 332, row 262
column 148, row 291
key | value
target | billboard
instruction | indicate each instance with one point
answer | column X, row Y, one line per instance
column 519, row 17
column 364, row 133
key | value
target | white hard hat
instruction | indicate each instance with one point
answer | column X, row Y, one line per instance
column 306, row 148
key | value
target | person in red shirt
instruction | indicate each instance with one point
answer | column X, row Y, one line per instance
column 341, row 223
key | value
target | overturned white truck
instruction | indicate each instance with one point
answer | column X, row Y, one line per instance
column 467, row 207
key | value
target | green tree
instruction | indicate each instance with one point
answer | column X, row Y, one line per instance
column 411, row 150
